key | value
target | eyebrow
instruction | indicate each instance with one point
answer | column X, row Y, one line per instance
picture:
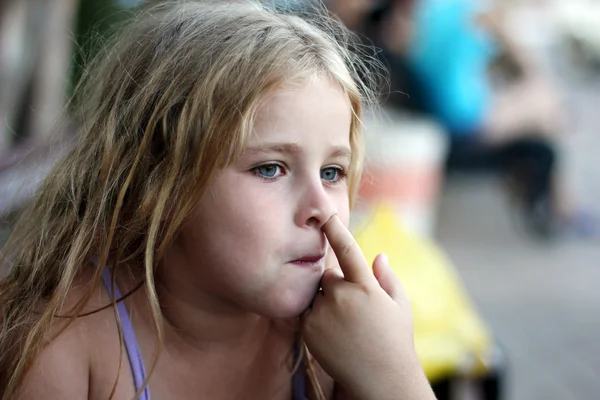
column 294, row 148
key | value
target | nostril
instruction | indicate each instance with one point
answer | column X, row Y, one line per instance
column 313, row 222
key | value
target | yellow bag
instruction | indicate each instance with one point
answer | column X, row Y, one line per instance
column 450, row 337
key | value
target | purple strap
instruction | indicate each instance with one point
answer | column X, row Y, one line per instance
column 299, row 385
column 131, row 343
column 299, row 377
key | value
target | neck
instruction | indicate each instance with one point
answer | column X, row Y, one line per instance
column 205, row 321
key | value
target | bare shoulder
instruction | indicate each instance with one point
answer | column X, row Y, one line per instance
column 63, row 369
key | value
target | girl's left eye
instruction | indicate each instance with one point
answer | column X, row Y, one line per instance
column 332, row 174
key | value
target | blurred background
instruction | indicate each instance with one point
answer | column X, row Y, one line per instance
column 487, row 142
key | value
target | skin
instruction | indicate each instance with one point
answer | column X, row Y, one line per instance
column 366, row 310
column 232, row 283
column 267, row 209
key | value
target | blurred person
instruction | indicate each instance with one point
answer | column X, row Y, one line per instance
column 451, row 59
column 193, row 243
column 35, row 50
column 352, row 13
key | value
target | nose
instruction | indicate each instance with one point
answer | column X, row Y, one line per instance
column 315, row 206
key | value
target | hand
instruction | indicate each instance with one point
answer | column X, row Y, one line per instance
column 360, row 326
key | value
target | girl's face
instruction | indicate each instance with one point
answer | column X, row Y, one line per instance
column 255, row 240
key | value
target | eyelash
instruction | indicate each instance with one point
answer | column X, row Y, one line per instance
column 341, row 172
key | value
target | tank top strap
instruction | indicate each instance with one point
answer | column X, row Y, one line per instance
column 131, row 344
column 299, row 377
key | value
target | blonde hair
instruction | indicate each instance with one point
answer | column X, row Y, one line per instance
column 161, row 113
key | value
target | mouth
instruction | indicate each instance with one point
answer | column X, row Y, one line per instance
column 316, row 260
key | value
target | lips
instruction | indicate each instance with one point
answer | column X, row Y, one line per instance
column 310, row 260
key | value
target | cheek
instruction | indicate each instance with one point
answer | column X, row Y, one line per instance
column 344, row 215
column 246, row 204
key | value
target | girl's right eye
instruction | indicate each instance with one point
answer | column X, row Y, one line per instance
column 269, row 171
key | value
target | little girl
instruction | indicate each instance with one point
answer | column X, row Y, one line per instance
column 192, row 245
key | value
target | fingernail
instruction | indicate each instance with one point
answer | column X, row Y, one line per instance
column 384, row 259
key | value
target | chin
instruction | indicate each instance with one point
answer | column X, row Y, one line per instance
column 289, row 306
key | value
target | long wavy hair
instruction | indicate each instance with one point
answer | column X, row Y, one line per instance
column 169, row 105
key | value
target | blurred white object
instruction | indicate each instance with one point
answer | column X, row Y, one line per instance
column 404, row 167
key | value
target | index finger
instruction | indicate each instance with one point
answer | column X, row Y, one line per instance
column 352, row 261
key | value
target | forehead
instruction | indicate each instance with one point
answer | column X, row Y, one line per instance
column 316, row 108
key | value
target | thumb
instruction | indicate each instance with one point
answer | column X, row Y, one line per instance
column 387, row 277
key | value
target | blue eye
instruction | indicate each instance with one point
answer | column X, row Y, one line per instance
column 269, row 171
column 332, row 174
